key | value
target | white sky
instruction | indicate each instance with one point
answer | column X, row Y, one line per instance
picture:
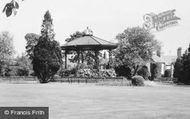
column 106, row 18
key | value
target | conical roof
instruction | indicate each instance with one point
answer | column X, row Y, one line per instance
column 89, row 42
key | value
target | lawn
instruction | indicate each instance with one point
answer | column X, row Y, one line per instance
column 90, row 101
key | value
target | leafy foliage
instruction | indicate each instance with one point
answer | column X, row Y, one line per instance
column 137, row 81
column 20, row 66
column 75, row 35
column 47, row 53
column 67, row 72
column 123, row 71
column 93, row 73
column 32, row 40
column 6, row 46
column 178, row 69
column 6, row 50
column 155, row 70
column 10, row 70
column 182, row 68
column 135, row 47
column 167, row 73
column 24, row 64
column 143, row 71
column 11, row 7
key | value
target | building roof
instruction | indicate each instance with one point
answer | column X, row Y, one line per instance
column 168, row 60
column 89, row 42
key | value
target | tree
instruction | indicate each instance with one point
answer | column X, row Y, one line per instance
column 11, row 7
column 24, row 64
column 75, row 35
column 47, row 53
column 135, row 47
column 6, row 49
column 182, row 68
column 32, row 40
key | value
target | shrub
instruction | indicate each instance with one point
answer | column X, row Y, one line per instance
column 155, row 70
column 93, row 73
column 16, row 71
column 107, row 73
column 143, row 71
column 137, row 81
column 67, row 72
column 123, row 71
column 10, row 71
column 22, row 71
column 167, row 73
column 88, row 73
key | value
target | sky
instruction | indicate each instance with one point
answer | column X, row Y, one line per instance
column 106, row 18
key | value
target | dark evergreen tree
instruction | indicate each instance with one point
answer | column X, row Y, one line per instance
column 182, row 68
column 47, row 58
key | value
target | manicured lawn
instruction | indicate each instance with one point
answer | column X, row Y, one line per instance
column 90, row 101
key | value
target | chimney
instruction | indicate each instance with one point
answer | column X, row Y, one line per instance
column 179, row 50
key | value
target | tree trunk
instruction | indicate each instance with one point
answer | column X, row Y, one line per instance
column 135, row 70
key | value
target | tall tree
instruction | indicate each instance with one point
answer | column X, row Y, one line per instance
column 31, row 41
column 135, row 48
column 6, row 49
column 47, row 53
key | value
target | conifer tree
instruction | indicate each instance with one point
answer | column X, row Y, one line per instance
column 47, row 53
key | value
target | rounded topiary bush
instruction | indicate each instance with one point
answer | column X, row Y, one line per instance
column 167, row 73
column 143, row 71
column 137, row 81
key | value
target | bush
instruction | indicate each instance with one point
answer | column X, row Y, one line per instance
column 10, row 71
column 143, row 71
column 67, row 72
column 93, row 73
column 22, row 71
column 88, row 73
column 137, row 81
column 167, row 73
column 123, row 71
column 16, row 71
column 107, row 73
column 155, row 70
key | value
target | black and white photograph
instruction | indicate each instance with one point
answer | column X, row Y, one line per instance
column 94, row 59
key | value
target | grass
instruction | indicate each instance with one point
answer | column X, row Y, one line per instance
column 90, row 101
column 114, row 83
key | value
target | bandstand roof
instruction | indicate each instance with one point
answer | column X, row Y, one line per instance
column 89, row 42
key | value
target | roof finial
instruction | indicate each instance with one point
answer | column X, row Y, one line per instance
column 88, row 31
